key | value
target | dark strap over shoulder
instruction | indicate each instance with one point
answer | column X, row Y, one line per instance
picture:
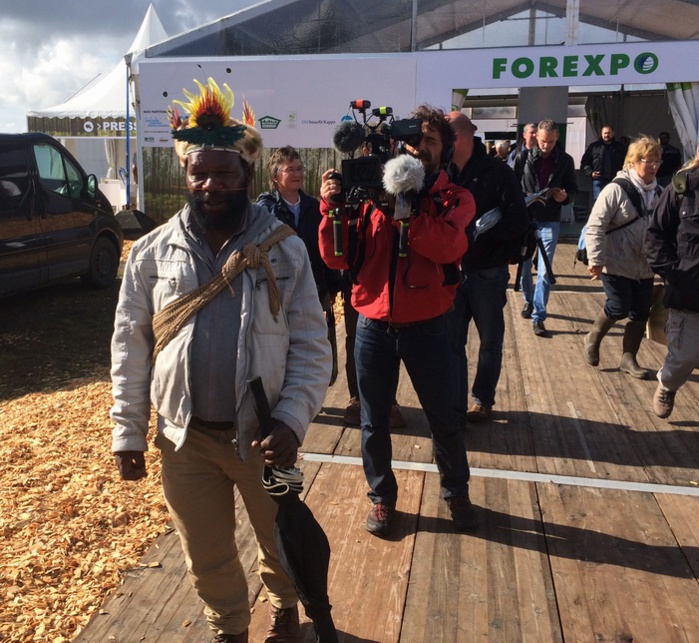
column 631, row 192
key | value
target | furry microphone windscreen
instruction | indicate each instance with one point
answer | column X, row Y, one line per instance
column 402, row 174
column 348, row 136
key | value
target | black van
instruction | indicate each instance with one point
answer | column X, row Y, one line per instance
column 54, row 221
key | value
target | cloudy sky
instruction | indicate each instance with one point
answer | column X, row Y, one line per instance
column 52, row 48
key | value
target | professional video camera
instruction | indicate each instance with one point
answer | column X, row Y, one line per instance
column 382, row 135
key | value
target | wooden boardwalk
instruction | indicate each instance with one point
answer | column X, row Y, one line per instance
column 590, row 511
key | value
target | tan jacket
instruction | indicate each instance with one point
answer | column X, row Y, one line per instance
column 622, row 252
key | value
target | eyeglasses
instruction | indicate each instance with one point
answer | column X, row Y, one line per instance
column 647, row 162
column 292, row 170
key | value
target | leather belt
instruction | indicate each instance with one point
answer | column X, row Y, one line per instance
column 392, row 324
column 199, row 424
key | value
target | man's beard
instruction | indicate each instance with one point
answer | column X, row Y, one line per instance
column 227, row 219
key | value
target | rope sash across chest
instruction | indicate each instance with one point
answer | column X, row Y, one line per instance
column 170, row 320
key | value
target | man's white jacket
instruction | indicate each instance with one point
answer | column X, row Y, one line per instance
column 290, row 353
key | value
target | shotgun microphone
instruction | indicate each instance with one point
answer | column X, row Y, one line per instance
column 348, row 136
column 403, row 177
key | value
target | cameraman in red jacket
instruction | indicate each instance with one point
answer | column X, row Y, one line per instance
column 402, row 299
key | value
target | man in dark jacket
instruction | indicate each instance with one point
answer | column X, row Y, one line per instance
column 546, row 173
column 670, row 162
column 482, row 294
column 602, row 160
column 672, row 247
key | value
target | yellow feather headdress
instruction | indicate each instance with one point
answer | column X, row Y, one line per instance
column 208, row 124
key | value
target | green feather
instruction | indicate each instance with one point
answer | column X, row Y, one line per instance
column 216, row 136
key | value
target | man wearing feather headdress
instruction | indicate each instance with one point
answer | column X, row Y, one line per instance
column 217, row 295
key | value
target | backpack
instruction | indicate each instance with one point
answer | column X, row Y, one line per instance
column 634, row 196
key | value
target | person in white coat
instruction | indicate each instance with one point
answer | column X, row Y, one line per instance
column 615, row 238
column 221, row 293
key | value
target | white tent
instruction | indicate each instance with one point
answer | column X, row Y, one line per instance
column 98, row 112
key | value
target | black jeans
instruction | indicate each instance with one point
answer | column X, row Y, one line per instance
column 627, row 297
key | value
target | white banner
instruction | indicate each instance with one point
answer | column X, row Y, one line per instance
column 297, row 101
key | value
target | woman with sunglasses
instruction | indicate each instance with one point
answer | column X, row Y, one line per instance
column 615, row 237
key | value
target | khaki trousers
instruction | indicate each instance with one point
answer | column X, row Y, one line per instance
column 682, row 330
column 198, row 482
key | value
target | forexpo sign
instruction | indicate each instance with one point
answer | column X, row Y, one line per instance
column 573, row 66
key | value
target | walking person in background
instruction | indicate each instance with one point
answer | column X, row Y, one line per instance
column 615, row 237
column 482, row 294
column 548, row 170
column 672, row 246
column 221, row 293
column 502, row 150
column 671, row 160
column 291, row 205
column 602, row 160
column 528, row 142
column 301, row 212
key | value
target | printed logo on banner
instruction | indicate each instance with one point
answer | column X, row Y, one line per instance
column 291, row 119
column 269, row 122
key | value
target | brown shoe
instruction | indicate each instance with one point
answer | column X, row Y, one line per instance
column 478, row 414
column 397, row 421
column 352, row 412
column 663, row 401
column 283, row 625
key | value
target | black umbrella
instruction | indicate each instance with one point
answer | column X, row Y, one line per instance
column 303, row 547
column 332, row 336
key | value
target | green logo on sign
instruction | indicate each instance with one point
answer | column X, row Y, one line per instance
column 269, row 122
column 645, row 63
column 573, row 66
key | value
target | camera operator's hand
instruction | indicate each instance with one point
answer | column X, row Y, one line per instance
column 329, row 186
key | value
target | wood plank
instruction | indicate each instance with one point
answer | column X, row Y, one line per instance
column 682, row 515
column 618, row 572
column 494, row 584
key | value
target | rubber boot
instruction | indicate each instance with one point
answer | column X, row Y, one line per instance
column 633, row 334
column 594, row 338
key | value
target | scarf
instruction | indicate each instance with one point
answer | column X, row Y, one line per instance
column 647, row 190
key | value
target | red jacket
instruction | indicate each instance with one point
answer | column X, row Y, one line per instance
column 423, row 284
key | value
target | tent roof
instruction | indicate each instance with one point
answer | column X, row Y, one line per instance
column 284, row 27
column 105, row 96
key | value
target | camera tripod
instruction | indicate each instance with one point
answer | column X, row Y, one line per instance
column 547, row 265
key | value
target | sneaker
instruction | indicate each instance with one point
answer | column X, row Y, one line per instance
column 463, row 513
column 540, row 329
column 379, row 520
column 527, row 311
column 663, row 401
column 396, row 421
column 352, row 412
column 283, row 625
column 478, row 413
column 231, row 638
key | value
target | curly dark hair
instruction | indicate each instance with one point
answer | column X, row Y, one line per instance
column 436, row 119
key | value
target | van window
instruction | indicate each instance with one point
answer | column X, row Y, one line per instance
column 57, row 173
column 14, row 180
